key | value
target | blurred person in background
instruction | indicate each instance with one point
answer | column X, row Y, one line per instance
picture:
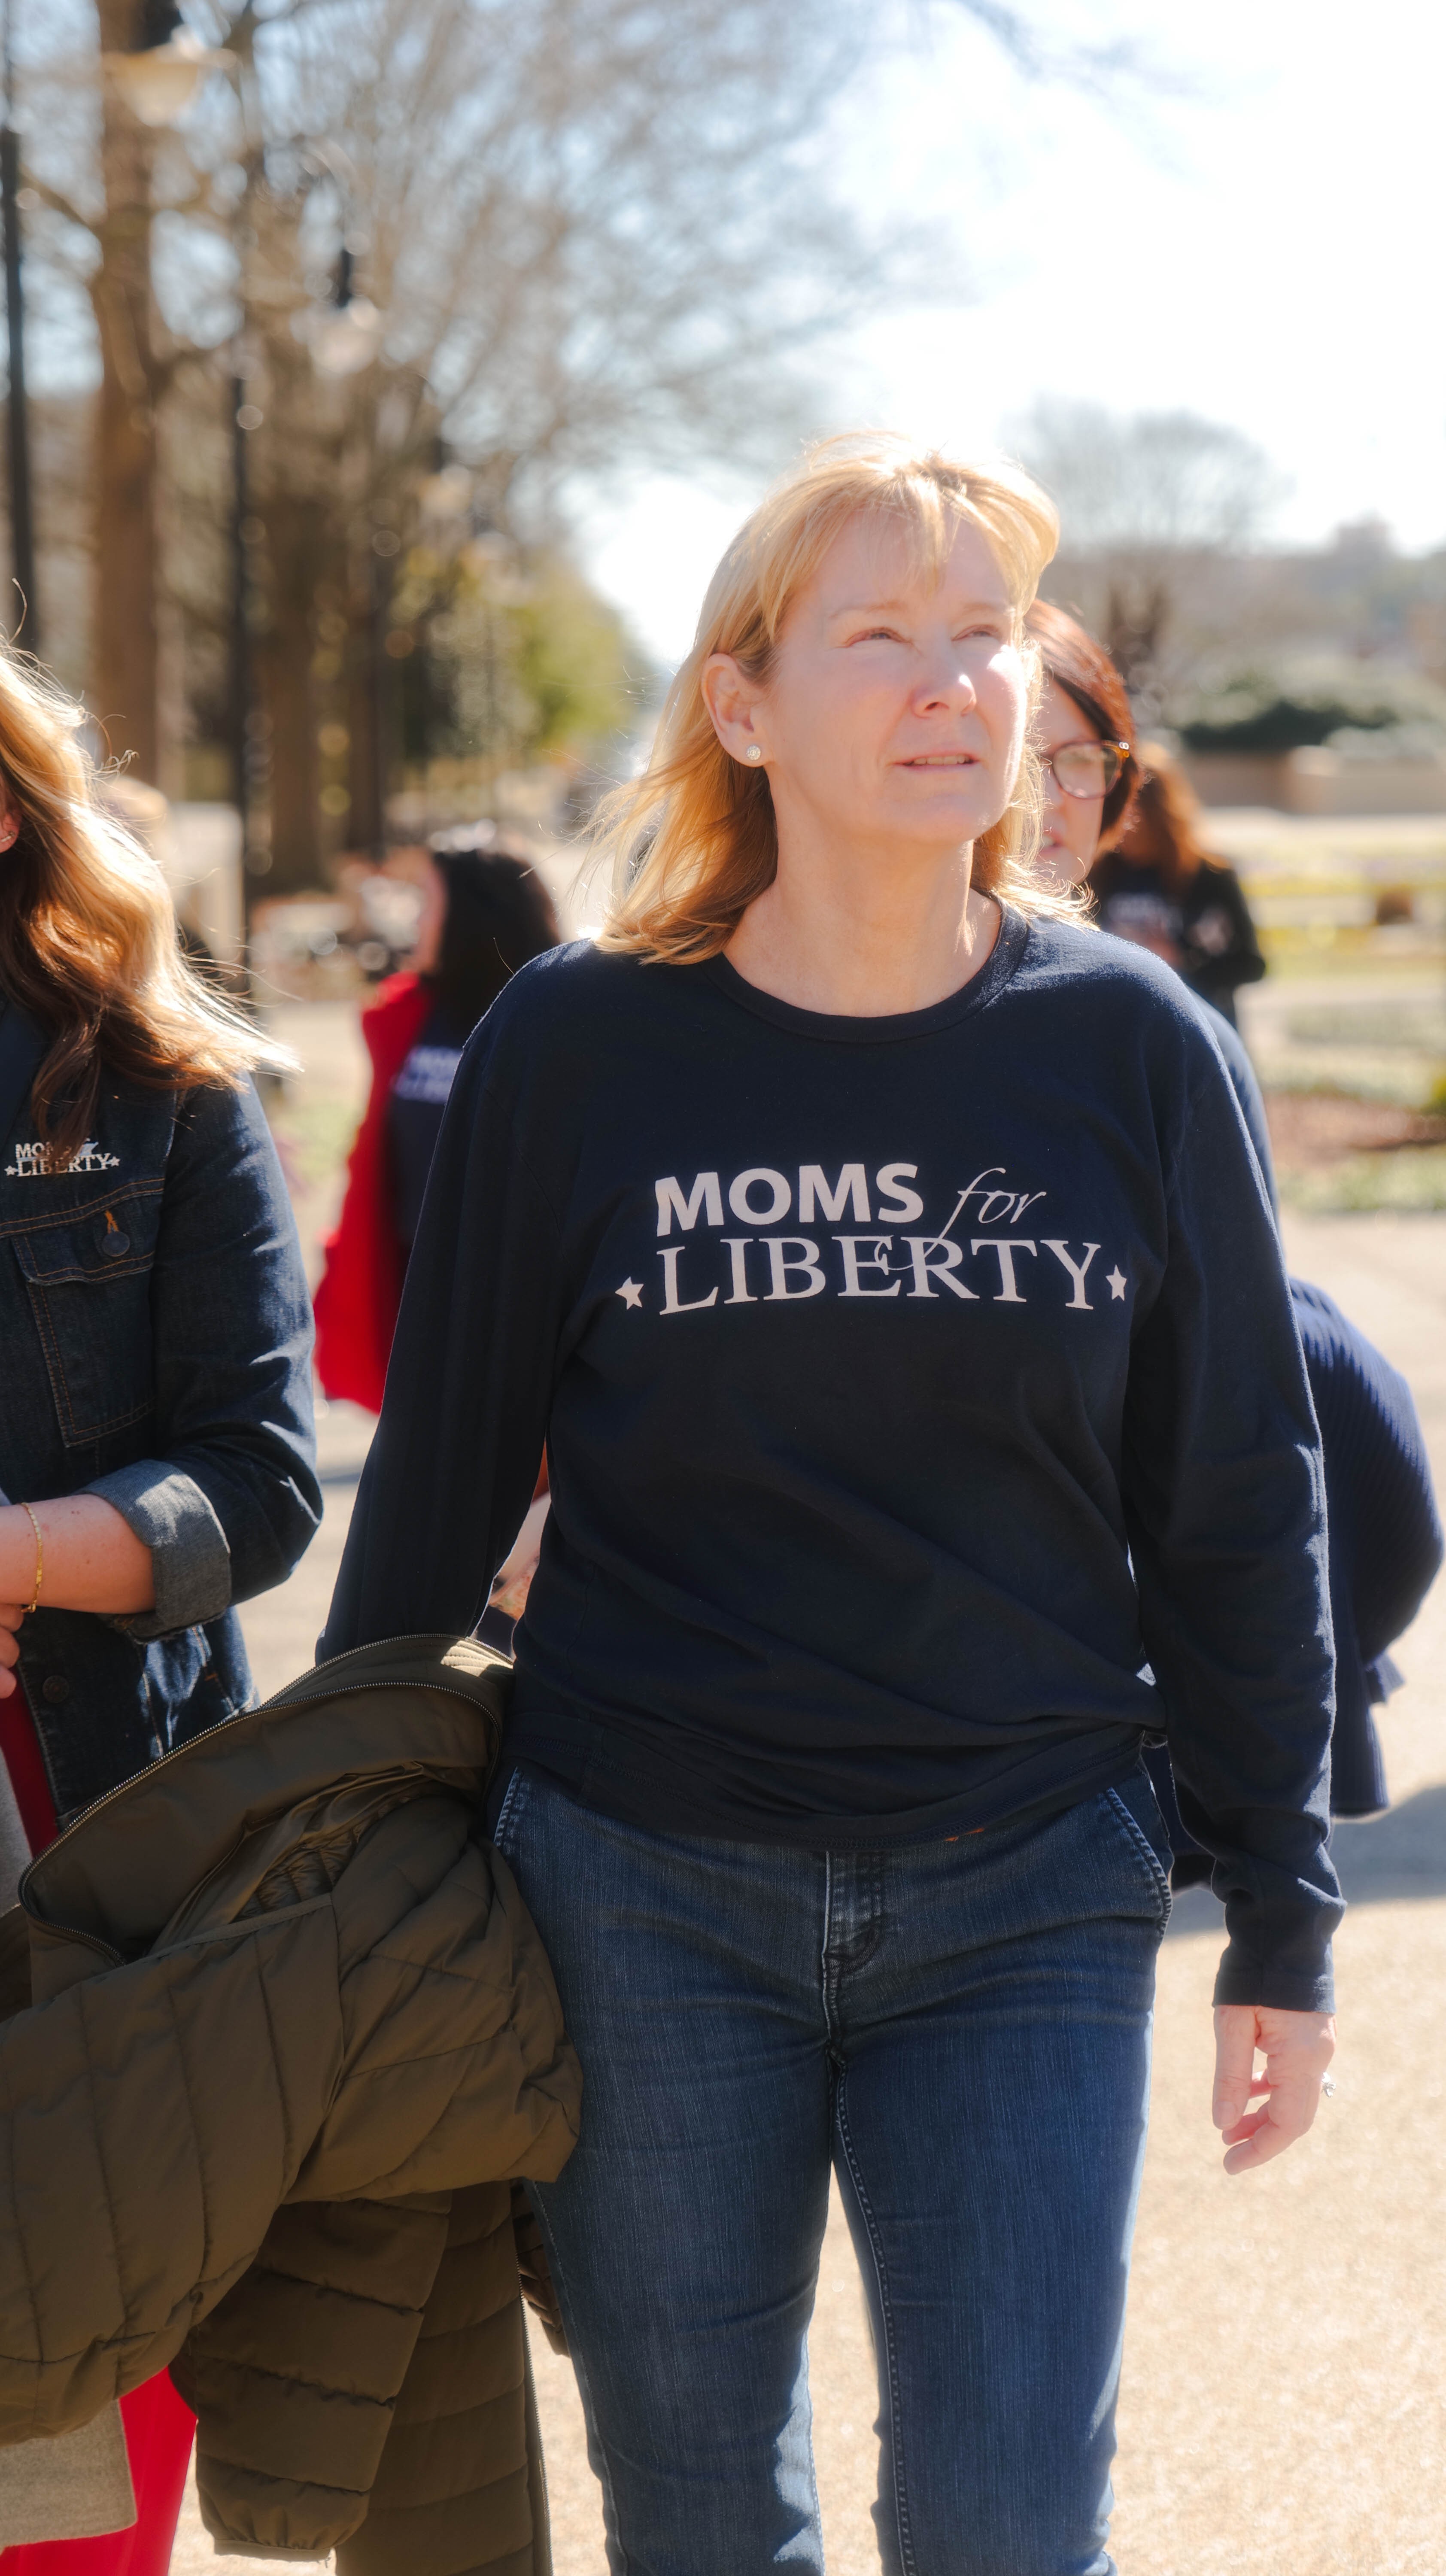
column 1093, row 775
column 1156, row 883
column 156, row 1450
column 822, row 1778
column 1384, row 1530
column 485, row 912
column 1086, row 739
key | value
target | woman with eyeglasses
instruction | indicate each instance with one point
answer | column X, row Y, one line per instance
column 1385, row 1532
column 1092, row 776
column 1086, row 737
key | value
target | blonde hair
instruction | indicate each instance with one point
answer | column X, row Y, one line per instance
column 88, row 940
column 693, row 840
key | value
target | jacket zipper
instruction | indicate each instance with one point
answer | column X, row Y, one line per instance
column 72, row 1931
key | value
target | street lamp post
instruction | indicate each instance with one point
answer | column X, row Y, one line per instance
column 164, row 65
column 22, row 518
column 346, row 333
column 159, row 74
column 241, row 633
column 346, row 337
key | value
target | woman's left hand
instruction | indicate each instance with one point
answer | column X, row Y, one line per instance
column 514, row 1577
column 1297, row 2048
column 11, row 1614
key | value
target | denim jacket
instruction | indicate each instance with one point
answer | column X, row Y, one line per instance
column 156, row 1339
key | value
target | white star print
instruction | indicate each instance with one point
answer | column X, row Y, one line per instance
column 631, row 1292
column 1116, row 1282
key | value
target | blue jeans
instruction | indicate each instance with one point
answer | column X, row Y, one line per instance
column 961, row 2029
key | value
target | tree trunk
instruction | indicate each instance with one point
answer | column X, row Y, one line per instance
column 1137, row 616
column 371, row 707
column 293, row 522
column 125, row 655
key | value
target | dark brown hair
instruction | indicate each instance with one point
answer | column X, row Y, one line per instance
column 1083, row 669
column 499, row 914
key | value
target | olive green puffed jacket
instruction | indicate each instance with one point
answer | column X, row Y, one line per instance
column 277, row 2034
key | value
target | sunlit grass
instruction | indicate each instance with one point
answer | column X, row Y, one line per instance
column 1411, row 1182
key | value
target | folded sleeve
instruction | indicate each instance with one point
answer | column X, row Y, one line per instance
column 230, row 1499
column 1385, row 1525
column 190, row 1560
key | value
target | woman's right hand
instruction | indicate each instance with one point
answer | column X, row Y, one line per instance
column 11, row 1614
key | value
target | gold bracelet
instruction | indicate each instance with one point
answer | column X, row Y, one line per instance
column 39, row 1560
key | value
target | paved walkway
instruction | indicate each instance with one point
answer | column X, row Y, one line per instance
column 1283, row 2401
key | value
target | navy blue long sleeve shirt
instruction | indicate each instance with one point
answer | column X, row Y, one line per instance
column 909, row 1385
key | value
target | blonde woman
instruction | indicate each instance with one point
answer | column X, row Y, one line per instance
column 156, row 1444
column 156, row 1448
column 908, row 1392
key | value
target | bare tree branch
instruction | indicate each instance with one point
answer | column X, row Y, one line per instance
column 598, row 232
column 1107, row 73
column 59, row 204
column 1146, row 503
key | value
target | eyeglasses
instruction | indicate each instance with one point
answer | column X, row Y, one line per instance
column 1087, row 769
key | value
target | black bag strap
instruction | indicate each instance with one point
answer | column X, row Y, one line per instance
column 22, row 1045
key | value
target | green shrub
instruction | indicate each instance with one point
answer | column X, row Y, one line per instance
column 1290, row 705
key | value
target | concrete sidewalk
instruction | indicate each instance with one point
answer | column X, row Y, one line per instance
column 1283, row 2402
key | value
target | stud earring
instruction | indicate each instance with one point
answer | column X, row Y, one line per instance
column 754, row 751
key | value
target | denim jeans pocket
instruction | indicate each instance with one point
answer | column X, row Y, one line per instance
column 509, row 1814
column 1141, row 1828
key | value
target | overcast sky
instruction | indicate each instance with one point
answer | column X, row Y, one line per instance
column 1261, row 242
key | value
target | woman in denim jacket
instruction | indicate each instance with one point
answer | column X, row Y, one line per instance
column 156, row 1443
column 157, row 1463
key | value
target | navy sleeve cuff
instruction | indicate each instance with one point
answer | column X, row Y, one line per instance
column 190, row 1560
column 1243, row 1981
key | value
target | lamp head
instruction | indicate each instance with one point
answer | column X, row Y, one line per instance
column 163, row 70
column 346, row 337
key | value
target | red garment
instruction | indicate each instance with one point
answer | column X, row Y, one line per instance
column 360, row 1290
column 20, row 1751
column 159, row 2425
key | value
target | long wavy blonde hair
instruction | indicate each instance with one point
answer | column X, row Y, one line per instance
column 88, row 941
column 693, row 840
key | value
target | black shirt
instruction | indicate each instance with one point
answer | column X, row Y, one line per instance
column 1206, row 917
column 907, row 1383
column 414, row 1116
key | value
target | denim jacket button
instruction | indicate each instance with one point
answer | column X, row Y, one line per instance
column 114, row 1243
column 55, row 1688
